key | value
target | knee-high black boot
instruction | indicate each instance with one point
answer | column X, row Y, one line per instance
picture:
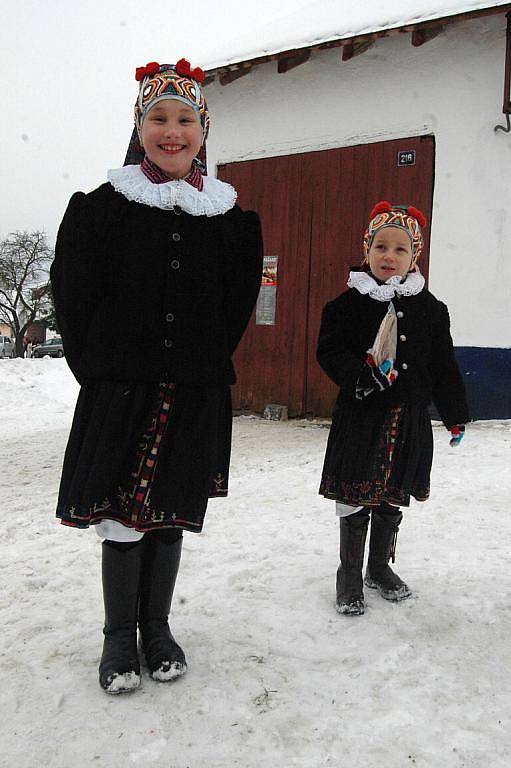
column 382, row 544
column 350, row 592
column 162, row 553
column 119, row 669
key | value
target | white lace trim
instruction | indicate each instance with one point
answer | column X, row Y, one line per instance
column 365, row 283
column 216, row 197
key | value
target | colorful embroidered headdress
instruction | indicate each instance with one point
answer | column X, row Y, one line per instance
column 405, row 217
column 168, row 81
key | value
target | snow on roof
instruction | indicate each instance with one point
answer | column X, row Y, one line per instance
column 316, row 22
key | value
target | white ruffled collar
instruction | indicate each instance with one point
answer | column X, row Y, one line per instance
column 366, row 284
column 216, row 197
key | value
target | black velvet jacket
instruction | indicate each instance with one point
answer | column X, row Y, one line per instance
column 425, row 356
column 144, row 294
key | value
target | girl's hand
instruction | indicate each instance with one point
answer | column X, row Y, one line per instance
column 384, row 374
column 457, row 433
column 388, row 370
column 375, row 378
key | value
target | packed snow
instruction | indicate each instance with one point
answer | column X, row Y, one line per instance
column 276, row 677
column 321, row 21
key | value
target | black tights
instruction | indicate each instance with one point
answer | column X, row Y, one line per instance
column 167, row 535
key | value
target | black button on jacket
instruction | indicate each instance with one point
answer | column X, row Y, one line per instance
column 116, row 284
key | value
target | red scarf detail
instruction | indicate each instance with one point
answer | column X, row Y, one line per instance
column 157, row 176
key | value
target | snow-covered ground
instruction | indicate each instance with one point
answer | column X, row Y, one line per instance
column 276, row 677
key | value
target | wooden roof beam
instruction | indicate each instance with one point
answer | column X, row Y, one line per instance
column 421, row 35
column 350, row 50
column 286, row 63
column 230, row 75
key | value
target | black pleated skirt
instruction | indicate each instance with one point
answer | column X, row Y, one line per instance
column 375, row 455
column 147, row 455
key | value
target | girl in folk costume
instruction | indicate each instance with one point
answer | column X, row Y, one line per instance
column 386, row 343
column 155, row 276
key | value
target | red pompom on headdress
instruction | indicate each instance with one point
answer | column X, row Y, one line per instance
column 198, row 74
column 150, row 69
column 183, row 68
column 382, row 207
column 412, row 211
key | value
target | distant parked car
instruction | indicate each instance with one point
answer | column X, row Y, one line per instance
column 52, row 347
column 6, row 347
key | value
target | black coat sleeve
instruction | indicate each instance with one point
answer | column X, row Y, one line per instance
column 242, row 269
column 447, row 383
column 73, row 280
column 343, row 365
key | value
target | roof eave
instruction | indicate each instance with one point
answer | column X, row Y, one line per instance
column 289, row 58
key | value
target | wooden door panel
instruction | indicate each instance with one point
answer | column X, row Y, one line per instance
column 330, row 260
column 270, row 361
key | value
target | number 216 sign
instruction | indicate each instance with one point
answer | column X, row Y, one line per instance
column 406, row 157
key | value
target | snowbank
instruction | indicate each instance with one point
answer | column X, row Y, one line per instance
column 35, row 394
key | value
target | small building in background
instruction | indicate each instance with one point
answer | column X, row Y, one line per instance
column 5, row 330
column 36, row 333
column 337, row 106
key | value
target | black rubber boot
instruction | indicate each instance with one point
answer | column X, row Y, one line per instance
column 119, row 669
column 162, row 553
column 350, row 592
column 382, row 546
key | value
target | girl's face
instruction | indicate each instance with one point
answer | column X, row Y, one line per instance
column 172, row 136
column 390, row 253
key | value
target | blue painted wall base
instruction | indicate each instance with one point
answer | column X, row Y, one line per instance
column 487, row 375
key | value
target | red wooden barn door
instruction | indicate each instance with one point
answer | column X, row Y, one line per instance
column 314, row 209
column 355, row 178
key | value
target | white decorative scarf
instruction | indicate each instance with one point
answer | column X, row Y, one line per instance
column 216, row 197
column 366, row 284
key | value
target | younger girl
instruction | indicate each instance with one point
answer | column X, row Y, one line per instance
column 380, row 446
column 155, row 276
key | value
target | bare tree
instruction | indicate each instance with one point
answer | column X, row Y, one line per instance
column 24, row 281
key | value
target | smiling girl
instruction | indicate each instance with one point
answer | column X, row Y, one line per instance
column 380, row 446
column 155, row 276
column 172, row 136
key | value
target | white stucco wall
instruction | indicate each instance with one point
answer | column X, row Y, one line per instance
column 451, row 87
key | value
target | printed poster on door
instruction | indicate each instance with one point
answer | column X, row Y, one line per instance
column 267, row 299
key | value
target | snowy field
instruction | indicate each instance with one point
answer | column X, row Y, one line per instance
column 276, row 677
